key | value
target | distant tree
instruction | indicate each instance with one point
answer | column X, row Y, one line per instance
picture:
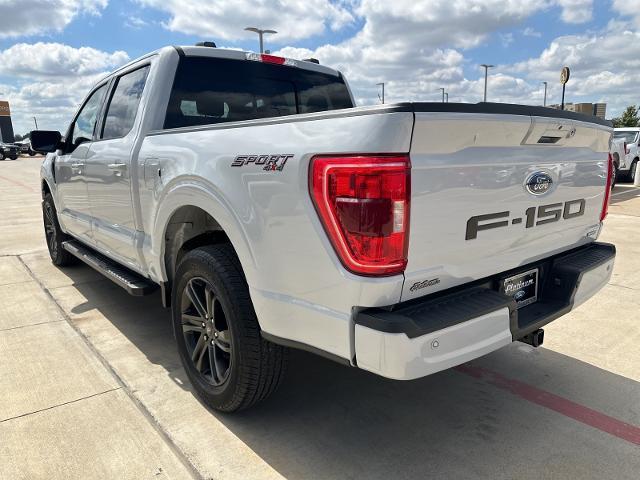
column 629, row 118
column 17, row 137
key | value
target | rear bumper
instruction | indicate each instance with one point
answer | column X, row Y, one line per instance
column 427, row 335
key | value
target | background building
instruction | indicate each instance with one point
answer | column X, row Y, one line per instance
column 597, row 109
column 6, row 127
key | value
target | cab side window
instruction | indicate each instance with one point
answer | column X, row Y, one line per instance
column 85, row 124
column 123, row 107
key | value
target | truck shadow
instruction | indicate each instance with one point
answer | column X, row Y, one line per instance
column 331, row 421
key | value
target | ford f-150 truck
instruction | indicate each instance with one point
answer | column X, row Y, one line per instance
column 271, row 213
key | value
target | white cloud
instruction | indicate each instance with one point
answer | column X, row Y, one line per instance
column 416, row 46
column 530, row 32
column 222, row 19
column 55, row 59
column 35, row 17
column 576, row 11
column 50, row 80
column 604, row 67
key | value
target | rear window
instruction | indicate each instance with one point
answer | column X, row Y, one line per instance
column 213, row 90
column 629, row 137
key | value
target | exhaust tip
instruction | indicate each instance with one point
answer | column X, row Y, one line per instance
column 535, row 339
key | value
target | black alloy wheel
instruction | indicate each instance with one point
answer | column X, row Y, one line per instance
column 206, row 332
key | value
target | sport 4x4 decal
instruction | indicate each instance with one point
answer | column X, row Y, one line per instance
column 274, row 163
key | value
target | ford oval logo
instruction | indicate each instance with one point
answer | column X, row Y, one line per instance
column 539, row 183
column 519, row 295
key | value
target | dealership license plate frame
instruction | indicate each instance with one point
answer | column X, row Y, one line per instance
column 531, row 291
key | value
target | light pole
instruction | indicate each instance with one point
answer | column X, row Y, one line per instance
column 442, row 94
column 381, row 84
column 36, row 122
column 486, row 70
column 447, row 95
column 544, row 104
column 260, row 33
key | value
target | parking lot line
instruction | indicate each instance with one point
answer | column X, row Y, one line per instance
column 585, row 415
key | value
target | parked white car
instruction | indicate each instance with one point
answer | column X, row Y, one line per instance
column 631, row 137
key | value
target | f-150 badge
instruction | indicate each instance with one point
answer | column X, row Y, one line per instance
column 270, row 163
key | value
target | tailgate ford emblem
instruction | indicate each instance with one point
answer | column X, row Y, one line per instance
column 538, row 183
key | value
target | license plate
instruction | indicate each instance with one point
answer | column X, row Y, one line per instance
column 523, row 287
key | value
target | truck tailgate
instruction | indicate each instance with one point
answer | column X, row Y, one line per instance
column 493, row 191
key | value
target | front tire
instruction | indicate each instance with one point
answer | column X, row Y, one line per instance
column 54, row 234
column 229, row 364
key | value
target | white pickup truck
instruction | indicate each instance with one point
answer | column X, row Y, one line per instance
column 630, row 136
column 401, row 239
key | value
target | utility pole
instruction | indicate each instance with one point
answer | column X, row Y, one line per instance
column 382, row 85
column 442, row 94
column 260, row 33
column 447, row 95
column 486, row 70
column 544, row 103
column 36, row 122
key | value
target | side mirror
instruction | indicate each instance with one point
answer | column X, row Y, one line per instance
column 45, row 141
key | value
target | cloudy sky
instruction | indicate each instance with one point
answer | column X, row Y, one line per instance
column 52, row 51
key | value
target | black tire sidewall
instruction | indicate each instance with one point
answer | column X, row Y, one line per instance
column 190, row 267
column 59, row 258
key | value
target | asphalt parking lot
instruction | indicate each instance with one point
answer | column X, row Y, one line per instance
column 92, row 387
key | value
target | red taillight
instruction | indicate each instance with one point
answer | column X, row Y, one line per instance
column 363, row 203
column 607, row 192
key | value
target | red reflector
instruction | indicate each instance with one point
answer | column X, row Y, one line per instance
column 272, row 59
column 607, row 192
column 363, row 203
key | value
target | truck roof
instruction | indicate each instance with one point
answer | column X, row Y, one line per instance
column 233, row 54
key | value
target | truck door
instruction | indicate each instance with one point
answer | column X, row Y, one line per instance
column 70, row 168
column 109, row 169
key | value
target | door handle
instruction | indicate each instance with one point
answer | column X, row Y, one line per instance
column 77, row 167
column 118, row 168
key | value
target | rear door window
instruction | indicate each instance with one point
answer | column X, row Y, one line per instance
column 212, row 90
column 124, row 103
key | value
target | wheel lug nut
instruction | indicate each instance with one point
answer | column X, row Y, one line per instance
column 205, row 337
column 215, row 334
column 204, row 325
column 212, row 342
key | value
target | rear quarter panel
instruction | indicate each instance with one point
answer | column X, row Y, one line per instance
column 298, row 287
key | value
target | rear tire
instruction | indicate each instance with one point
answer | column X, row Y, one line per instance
column 54, row 234
column 632, row 171
column 229, row 364
column 1, row 156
